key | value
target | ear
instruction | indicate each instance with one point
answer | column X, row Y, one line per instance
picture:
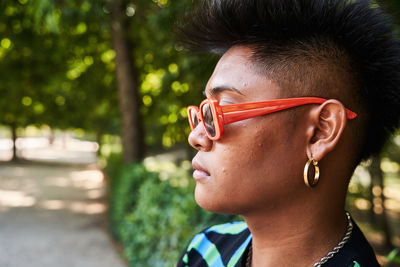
column 327, row 124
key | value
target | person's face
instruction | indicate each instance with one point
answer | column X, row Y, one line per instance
column 257, row 163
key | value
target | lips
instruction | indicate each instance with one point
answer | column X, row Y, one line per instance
column 199, row 172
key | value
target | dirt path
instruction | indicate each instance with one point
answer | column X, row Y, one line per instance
column 54, row 215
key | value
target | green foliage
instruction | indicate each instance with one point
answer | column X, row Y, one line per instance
column 124, row 184
column 153, row 219
column 54, row 70
column 394, row 256
column 157, row 229
column 171, row 78
column 58, row 67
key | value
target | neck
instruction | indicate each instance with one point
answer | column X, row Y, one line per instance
column 295, row 234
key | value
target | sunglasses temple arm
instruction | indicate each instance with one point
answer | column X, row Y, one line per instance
column 234, row 116
column 234, row 113
column 350, row 114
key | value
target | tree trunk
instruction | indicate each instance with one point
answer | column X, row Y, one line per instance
column 371, row 213
column 99, row 143
column 377, row 175
column 14, row 140
column 127, row 79
column 51, row 137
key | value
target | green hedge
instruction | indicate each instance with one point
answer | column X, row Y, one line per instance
column 153, row 219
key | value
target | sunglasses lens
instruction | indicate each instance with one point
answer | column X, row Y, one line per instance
column 208, row 119
column 193, row 118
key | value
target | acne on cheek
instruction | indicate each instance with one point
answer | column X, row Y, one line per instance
column 261, row 144
column 223, row 171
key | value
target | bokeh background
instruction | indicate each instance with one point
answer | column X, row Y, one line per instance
column 95, row 167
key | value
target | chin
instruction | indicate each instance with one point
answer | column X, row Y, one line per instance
column 213, row 204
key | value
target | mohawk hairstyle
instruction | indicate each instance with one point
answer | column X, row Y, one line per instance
column 353, row 36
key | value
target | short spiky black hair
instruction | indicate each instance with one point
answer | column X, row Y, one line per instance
column 352, row 39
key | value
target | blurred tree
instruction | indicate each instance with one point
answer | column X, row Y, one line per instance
column 170, row 78
column 378, row 203
column 57, row 66
column 127, row 76
column 24, row 55
column 390, row 152
column 59, row 69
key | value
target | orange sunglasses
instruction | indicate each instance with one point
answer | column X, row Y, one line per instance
column 214, row 117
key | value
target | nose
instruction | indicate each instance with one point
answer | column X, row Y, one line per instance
column 198, row 139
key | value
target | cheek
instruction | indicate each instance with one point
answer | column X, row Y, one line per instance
column 251, row 167
column 254, row 144
column 240, row 168
column 267, row 161
column 242, row 155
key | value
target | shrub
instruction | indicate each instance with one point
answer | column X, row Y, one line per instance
column 154, row 219
column 124, row 184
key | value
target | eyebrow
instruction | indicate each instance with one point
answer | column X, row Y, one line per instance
column 215, row 90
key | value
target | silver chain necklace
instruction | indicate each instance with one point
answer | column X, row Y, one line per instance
column 327, row 256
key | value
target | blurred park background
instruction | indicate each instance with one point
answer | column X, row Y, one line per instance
column 93, row 131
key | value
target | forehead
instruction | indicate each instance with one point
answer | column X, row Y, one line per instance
column 236, row 70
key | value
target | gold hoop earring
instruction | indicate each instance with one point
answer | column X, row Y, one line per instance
column 316, row 173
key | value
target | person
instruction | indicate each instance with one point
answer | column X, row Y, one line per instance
column 304, row 91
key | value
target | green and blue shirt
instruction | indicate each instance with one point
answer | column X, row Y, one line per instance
column 226, row 245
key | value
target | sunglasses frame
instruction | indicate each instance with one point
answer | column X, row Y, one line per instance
column 227, row 114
